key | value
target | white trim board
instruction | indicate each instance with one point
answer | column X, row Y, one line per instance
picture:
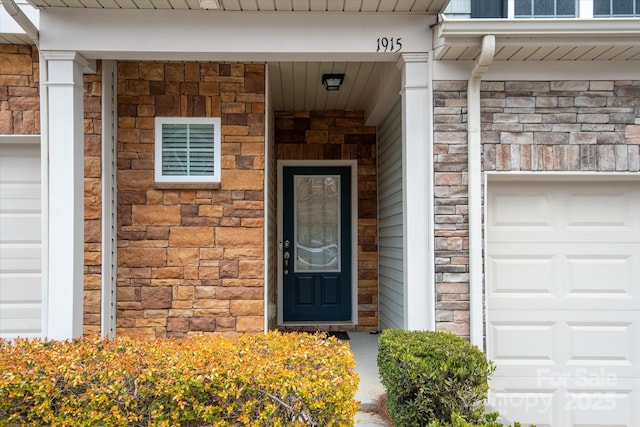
column 209, row 35
column 353, row 164
column 540, row 70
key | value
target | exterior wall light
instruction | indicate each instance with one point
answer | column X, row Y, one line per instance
column 209, row 4
column 332, row 81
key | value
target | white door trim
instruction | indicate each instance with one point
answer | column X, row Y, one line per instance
column 353, row 164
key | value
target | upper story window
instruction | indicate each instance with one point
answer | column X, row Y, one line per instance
column 545, row 8
column 584, row 9
column 616, row 8
column 187, row 150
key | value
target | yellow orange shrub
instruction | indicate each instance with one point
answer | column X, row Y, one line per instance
column 259, row 380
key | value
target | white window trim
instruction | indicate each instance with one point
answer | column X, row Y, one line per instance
column 217, row 166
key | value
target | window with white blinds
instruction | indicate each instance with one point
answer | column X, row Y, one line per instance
column 187, row 149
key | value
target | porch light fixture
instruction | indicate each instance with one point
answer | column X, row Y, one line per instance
column 332, row 81
column 209, row 4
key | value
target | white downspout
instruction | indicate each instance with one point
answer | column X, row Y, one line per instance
column 18, row 15
column 474, row 178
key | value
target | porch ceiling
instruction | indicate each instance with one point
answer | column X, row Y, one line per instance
column 401, row 6
column 20, row 39
column 541, row 39
column 297, row 86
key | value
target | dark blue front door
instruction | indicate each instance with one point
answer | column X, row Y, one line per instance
column 316, row 244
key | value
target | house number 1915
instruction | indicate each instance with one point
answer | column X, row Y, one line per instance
column 386, row 44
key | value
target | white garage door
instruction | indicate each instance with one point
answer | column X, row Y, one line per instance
column 563, row 300
column 20, row 240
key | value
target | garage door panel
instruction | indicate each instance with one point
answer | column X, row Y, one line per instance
column 521, row 275
column 20, row 238
column 515, row 210
column 15, row 287
column 20, row 197
column 518, row 343
column 540, row 206
column 20, row 228
column 520, row 400
column 566, row 235
column 614, row 346
column 20, row 320
column 601, row 212
column 16, row 258
column 611, row 274
column 566, row 340
column 567, row 401
column 568, row 276
column 19, row 162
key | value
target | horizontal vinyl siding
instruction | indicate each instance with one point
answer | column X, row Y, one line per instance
column 391, row 286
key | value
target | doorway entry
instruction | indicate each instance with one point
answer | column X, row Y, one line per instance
column 317, row 247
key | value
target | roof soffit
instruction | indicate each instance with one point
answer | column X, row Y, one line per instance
column 432, row 7
column 540, row 39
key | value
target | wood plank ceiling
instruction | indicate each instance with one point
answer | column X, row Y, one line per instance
column 403, row 6
column 297, row 86
column 557, row 50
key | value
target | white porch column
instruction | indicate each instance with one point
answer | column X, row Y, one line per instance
column 63, row 149
column 417, row 155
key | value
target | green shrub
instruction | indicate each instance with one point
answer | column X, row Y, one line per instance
column 260, row 380
column 489, row 420
column 430, row 375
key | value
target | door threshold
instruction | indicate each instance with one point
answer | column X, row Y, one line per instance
column 314, row 323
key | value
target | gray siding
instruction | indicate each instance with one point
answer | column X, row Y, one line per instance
column 390, row 214
column 271, row 224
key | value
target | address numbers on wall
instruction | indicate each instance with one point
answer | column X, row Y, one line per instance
column 389, row 44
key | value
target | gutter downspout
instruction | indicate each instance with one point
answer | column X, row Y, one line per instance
column 474, row 178
column 18, row 15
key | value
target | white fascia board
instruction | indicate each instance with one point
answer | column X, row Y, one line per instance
column 245, row 36
column 540, row 70
column 544, row 28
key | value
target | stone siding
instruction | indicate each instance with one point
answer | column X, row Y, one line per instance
column 191, row 260
column 19, row 90
column 581, row 126
column 92, row 201
column 342, row 135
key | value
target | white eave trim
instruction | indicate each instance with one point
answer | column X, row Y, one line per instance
column 539, row 28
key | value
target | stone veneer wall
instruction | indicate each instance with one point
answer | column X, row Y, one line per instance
column 191, row 260
column 20, row 115
column 92, row 200
column 588, row 126
column 19, row 90
column 342, row 135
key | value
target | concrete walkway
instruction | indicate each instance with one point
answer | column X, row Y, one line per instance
column 365, row 351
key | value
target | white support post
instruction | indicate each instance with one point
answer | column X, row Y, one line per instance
column 63, row 138
column 417, row 177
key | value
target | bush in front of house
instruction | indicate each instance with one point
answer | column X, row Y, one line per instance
column 259, row 380
column 431, row 375
column 489, row 420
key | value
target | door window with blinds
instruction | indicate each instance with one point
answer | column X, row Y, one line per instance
column 187, row 149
